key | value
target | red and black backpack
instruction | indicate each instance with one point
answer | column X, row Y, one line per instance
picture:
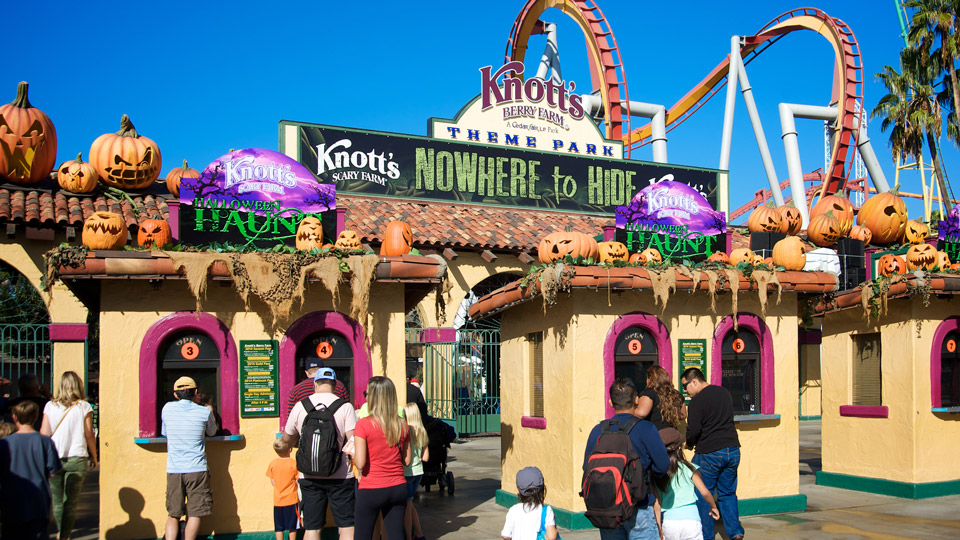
column 613, row 477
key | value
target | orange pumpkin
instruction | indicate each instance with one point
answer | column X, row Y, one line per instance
column 921, row 257
column 651, row 255
column 740, row 255
column 557, row 245
column 764, row 219
column 915, row 232
column 153, row 232
column 104, row 230
column 175, row 176
column 824, row 230
column 943, row 260
column 347, row 240
column 28, row 140
column 757, row 259
column 76, row 176
column 612, row 251
column 790, row 253
column 885, row 214
column 891, row 264
column 790, row 220
column 397, row 240
column 636, row 258
column 309, row 234
column 861, row 233
column 126, row 159
column 841, row 209
column 720, row 257
column 955, row 266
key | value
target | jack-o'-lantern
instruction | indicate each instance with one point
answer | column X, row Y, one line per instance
column 740, row 255
column 28, row 140
column 651, row 256
column 104, row 230
column 764, row 219
column 347, row 240
column 720, row 257
column 757, row 259
column 943, row 260
column 885, row 214
column 921, row 257
column 612, row 251
column 915, row 232
column 824, row 230
column 176, row 175
column 636, row 258
column 891, row 264
column 126, row 159
column 557, row 245
column 309, row 234
column 841, row 209
column 861, row 233
column 790, row 220
column 790, row 253
column 397, row 240
column 76, row 176
column 153, row 232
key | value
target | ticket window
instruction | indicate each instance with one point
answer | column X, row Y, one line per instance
column 636, row 351
column 190, row 354
column 333, row 350
column 950, row 370
column 740, row 368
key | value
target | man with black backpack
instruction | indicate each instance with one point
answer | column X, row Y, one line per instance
column 621, row 454
column 323, row 423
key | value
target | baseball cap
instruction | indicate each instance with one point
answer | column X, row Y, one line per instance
column 529, row 481
column 671, row 438
column 184, row 383
column 311, row 363
column 325, row 374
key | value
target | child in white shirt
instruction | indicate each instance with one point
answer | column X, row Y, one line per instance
column 530, row 516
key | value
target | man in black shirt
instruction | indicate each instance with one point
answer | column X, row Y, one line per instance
column 710, row 429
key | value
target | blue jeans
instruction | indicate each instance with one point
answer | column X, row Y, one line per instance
column 718, row 470
column 642, row 526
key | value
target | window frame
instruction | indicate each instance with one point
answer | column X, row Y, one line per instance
column 531, row 419
column 754, row 324
column 950, row 324
column 855, row 339
column 651, row 324
column 756, row 371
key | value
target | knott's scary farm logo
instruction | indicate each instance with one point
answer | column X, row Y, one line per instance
column 253, row 197
column 674, row 219
column 948, row 238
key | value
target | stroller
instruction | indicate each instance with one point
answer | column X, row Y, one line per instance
column 439, row 436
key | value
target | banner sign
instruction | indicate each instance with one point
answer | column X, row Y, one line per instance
column 382, row 164
column 673, row 218
column 691, row 353
column 259, row 381
column 253, row 196
column 949, row 234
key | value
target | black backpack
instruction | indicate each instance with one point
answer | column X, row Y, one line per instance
column 320, row 451
column 613, row 477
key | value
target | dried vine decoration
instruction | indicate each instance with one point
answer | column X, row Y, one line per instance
column 61, row 256
column 733, row 279
column 663, row 284
column 764, row 278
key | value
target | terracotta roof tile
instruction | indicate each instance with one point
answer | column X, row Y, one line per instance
column 45, row 205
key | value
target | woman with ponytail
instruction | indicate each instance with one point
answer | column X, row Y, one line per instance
column 660, row 402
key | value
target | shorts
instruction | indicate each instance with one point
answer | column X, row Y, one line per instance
column 682, row 529
column 313, row 503
column 413, row 482
column 286, row 518
column 195, row 488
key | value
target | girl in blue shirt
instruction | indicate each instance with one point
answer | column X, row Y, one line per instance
column 675, row 493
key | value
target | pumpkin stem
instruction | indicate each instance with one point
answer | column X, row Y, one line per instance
column 126, row 128
column 21, row 100
column 80, row 157
column 184, row 164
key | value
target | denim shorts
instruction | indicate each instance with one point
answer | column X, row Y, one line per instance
column 413, row 482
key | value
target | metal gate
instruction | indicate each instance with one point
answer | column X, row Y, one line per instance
column 25, row 348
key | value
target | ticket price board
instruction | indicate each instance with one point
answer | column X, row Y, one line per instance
column 692, row 353
column 259, row 379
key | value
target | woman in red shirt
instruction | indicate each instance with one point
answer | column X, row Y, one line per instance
column 382, row 448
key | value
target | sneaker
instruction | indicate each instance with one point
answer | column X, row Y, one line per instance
column 737, row 537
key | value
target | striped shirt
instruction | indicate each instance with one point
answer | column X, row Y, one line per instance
column 184, row 424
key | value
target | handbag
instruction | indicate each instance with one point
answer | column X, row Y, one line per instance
column 542, row 533
column 62, row 418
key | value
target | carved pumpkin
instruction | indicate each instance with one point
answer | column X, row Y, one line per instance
column 651, row 255
column 309, row 234
column 175, row 176
column 740, row 255
column 764, row 219
column 790, row 220
column 790, row 253
column 720, row 257
column 397, row 240
column 824, row 230
column 955, row 266
column 104, row 230
column 126, row 159
column 76, row 176
column 885, row 214
column 757, row 259
column 891, row 264
column 861, row 233
column 557, row 245
column 347, row 241
column 943, row 260
column 612, row 251
column 28, row 140
column 768, row 261
column 921, row 257
column 153, row 232
column 915, row 232
column 841, row 209
column 636, row 258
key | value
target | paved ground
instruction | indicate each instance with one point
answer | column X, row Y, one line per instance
column 832, row 513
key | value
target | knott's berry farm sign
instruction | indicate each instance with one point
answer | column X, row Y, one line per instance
column 253, row 196
column 672, row 218
column 948, row 238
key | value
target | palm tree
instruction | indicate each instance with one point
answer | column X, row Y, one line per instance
column 934, row 23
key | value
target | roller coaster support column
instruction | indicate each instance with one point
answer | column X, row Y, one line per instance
column 728, row 127
column 747, row 92
column 788, row 111
column 551, row 56
column 593, row 105
column 870, row 161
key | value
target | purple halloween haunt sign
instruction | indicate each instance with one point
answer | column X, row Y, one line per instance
column 253, row 197
column 949, row 234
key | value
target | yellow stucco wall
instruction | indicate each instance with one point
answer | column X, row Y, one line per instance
column 242, row 494
column 575, row 393
column 27, row 257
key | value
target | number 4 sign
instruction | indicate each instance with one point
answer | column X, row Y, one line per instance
column 324, row 350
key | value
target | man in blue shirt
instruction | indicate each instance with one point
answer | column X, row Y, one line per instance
column 653, row 456
column 185, row 424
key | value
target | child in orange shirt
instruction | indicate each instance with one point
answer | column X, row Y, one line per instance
column 283, row 475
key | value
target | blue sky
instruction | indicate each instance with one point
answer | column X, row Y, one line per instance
column 203, row 77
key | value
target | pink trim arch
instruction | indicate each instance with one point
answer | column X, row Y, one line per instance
column 756, row 325
column 948, row 325
column 149, row 370
column 315, row 322
column 651, row 324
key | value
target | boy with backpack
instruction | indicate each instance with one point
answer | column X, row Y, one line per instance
column 323, row 424
column 620, row 455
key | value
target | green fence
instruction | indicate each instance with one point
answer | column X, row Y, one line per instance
column 25, row 348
